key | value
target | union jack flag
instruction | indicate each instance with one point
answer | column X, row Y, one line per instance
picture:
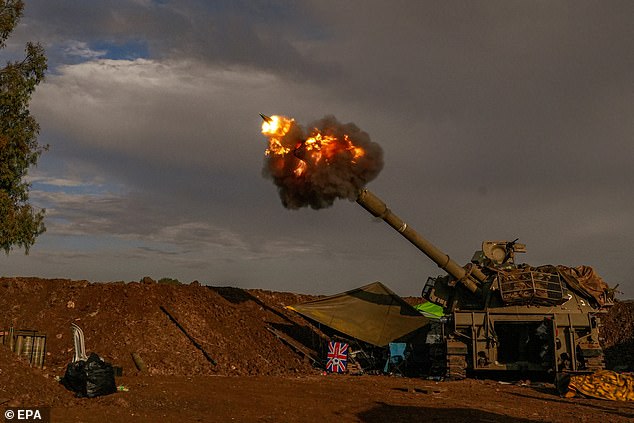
column 337, row 357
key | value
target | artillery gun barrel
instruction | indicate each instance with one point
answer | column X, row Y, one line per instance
column 469, row 277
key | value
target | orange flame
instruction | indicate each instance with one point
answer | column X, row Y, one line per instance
column 319, row 149
column 327, row 146
column 301, row 168
column 275, row 129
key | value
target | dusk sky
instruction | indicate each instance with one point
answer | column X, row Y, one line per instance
column 497, row 119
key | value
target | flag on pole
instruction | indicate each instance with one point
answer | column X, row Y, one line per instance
column 337, row 357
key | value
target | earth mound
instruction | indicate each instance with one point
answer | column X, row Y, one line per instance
column 236, row 328
column 244, row 332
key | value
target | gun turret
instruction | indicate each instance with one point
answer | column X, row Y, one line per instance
column 470, row 276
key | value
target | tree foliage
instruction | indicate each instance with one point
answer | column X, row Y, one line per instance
column 20, row 224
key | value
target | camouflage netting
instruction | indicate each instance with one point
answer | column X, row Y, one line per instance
column 617, row 332
column 584, row 280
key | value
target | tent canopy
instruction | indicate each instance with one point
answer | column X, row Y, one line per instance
column 371, row 313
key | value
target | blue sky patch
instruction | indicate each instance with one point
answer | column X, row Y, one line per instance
column 127, row 50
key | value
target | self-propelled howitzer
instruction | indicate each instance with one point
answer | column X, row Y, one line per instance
column 503, row 316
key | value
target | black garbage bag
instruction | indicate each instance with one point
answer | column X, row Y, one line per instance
column 99, row 377
column 91, row 378
column 75, row 378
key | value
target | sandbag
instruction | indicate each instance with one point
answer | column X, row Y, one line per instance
column 603, row 384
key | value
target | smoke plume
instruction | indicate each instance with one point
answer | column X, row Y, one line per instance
column 314, row 167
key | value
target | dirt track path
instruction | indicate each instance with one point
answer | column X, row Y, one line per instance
column 334, row 398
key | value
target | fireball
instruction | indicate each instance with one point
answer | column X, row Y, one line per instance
column 316, row 166
column 318, row 149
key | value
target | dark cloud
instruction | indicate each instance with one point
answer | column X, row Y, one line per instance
column 497, row 119
column 256, row 35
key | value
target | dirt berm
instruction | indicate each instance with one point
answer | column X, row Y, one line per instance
column 255, row 370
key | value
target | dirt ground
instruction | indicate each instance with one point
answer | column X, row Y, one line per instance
column 258, row 377
column 316, row 398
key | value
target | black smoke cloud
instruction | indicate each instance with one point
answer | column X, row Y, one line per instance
column 320, row 184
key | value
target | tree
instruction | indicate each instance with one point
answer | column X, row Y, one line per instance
column 20, row 224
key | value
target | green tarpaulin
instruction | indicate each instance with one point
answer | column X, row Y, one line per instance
column 431, row 310
column 372, row 313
